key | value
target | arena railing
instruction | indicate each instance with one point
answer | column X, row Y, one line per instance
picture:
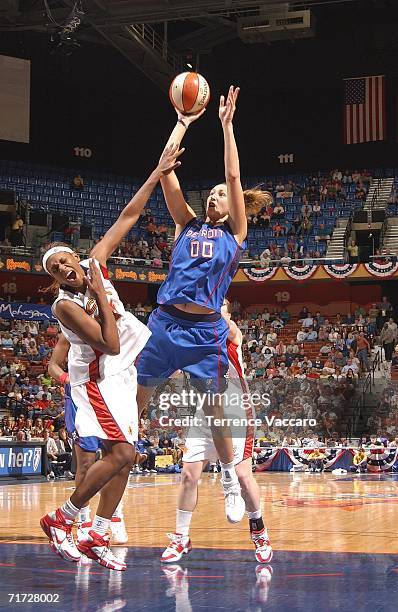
column 318, row 261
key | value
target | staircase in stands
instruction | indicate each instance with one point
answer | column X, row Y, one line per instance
column 390, row 239
column 336, row 246
column 379, row 194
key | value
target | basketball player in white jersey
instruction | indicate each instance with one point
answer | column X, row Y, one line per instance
column 105, row 340
column 199, row 449
column 85, row 447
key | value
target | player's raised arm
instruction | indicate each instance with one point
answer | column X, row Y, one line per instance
column 130, row 214
column 179, row 209
column 237, row 212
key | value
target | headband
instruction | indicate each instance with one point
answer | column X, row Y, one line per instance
column 56, row 249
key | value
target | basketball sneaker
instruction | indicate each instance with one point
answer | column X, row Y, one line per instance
column 234, row 503
column 82, row 531
column 261, row 541
column 118, row 530
column 179, row 545
column 96, row 547
column 59, row 531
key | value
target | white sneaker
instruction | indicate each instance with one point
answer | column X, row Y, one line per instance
column 69, row 475
column 235, row 506
column 50, row 475
column 179, row 545
column 153, row 471
column 118, row 531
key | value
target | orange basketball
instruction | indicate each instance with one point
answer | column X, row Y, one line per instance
column 189, row 93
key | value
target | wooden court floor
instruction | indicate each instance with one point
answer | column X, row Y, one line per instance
column 304, row 512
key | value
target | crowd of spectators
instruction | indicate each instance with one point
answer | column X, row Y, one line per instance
column 316, row 193
column 276, row 346
column 149, row 244
column 306, row 366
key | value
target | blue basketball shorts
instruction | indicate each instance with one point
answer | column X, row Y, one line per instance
column 89, row 444
column 178, row 343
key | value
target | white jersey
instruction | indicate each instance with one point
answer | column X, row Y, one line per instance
column 199, row 445
column 86, row 363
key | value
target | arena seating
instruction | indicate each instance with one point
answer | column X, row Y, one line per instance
column 99, row 202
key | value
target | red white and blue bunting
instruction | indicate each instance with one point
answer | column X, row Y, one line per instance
column 378, row 459
column 266, row 456
column 381, row 269
column 381, row 459
column 299, row 272
column 340, row 270
column 260, row 274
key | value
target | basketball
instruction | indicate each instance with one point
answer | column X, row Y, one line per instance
column 189, row 93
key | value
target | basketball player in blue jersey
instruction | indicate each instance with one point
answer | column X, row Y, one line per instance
column 188, row 331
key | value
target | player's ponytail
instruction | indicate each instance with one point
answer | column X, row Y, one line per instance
column 256, row 199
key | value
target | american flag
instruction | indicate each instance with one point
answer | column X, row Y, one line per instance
column 364, row 109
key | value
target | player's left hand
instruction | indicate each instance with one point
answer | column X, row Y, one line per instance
column 227, row 107
column 169, row 159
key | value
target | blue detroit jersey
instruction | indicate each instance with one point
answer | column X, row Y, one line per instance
column 203, row 264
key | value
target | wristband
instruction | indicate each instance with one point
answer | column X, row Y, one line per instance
column 64, row 377
column 182, row 123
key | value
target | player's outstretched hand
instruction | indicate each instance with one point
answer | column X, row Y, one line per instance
column 94, row 281
column 169, row 159
column 228, row 106
column 188, row 119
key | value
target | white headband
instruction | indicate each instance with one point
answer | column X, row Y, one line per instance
column 56, row 249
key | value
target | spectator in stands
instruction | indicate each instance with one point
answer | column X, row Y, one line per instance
column 385, row 309
column 278, row 211
column 17, row 227
column 353, row 251
column 306, row 225
column 279, row 229
column 308, row 321
column 312, row 335
column 388, row 339
column 363, row 351
column 285, row 259
column 316, row 209
column 323, row 233
column 265, row 258
column 360, row 193
column 302, row 335
column 77, row 182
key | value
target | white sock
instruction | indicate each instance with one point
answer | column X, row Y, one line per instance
column 101, row 525
column 84, row 514
column 183, row 522
column 228, row 473
column 69, row 511
column 254, row 515
column 119, row 511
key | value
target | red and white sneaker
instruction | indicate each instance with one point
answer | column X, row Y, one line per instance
column 83, row 531
column 118, row 530
column 96, row 547
column 179, row 545
column 59, row 531
column 263, row 551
